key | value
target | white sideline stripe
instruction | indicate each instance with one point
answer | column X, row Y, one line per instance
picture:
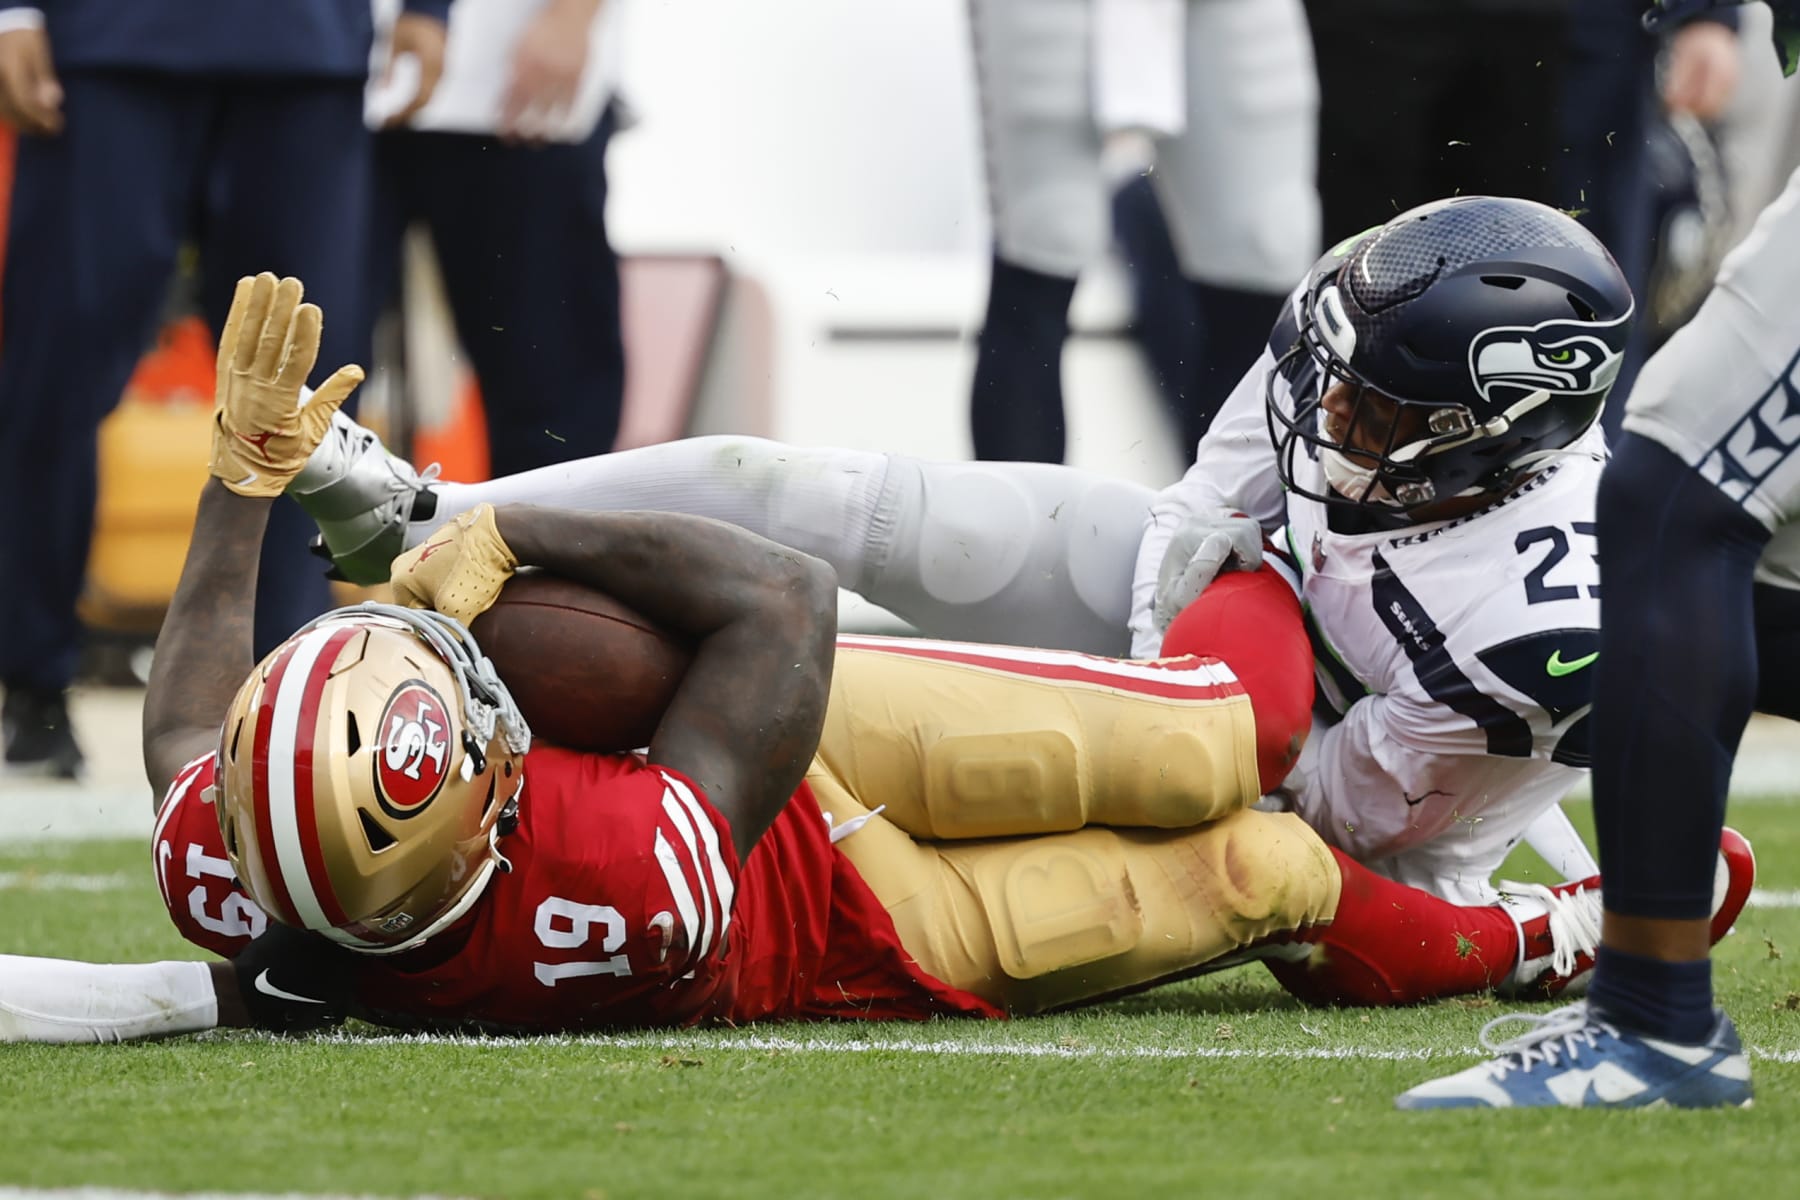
column 762, row 1044
column 1765, row 898
column 106, row 1193
column 57, row 881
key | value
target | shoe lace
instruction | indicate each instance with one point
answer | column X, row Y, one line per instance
column 1547, row 1038
column 1574, row 922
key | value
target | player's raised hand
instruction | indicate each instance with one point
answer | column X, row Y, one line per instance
column 263, row 429
column 459, row 570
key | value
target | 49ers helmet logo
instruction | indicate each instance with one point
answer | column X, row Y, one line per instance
column 412, row 758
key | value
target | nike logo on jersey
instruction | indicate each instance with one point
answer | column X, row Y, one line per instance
column 268, row 989
column 1558, row 668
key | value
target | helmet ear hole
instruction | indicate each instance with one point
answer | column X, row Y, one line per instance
column 379, row 839
column 231, row 839
column 237, row 732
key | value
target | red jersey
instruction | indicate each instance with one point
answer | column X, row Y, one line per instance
column 625, row 906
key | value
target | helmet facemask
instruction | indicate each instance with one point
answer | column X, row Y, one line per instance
column 1463, row 344
column 1377, row 455
column 368, row 769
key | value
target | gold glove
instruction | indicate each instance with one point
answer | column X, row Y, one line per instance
column 262, row 435
column 459, row 570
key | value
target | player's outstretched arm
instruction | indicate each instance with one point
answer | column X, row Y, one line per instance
column 286, row 981
column 261, row 439
column 745, row 721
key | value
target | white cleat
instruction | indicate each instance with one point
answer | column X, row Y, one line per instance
column 361, row 497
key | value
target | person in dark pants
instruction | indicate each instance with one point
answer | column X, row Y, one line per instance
column 1426, row 98
column 1609, row 103
column 507, row 170
column 147, row 122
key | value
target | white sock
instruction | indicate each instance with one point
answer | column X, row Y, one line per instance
column 57, row 1000
column 818, row 500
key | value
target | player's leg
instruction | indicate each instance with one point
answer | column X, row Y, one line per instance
column 965, row 741
column 264, row 215
column 1048, row 201
column 1020, row 553
column 1238, row 184
column 520, row 233
column 1706, row 469
column 1035, row 923
column 87, row 264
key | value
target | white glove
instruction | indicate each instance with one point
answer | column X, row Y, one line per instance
column 1204, row 545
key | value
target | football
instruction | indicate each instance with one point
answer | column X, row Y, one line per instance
column 587, row 672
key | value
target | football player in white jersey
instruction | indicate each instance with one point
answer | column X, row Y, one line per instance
column 1700, row 510
column 1419, row 432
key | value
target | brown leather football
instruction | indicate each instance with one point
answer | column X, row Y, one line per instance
column 587, row 672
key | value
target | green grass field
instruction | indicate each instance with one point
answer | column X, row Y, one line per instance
column 1222, row 1086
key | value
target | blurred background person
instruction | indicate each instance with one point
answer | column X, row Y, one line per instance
column 1427, row 98
column 506, row 169
column 145, row 123
column 1635, row 141
column 1224, row 90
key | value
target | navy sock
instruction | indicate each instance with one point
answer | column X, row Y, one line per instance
column 1016, row 409
column 1671, row 1000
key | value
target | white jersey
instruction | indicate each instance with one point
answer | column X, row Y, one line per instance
column 1452, row 657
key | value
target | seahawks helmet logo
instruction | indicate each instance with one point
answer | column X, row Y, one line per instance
column 1570, row 357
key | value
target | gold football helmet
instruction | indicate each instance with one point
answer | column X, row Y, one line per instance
column 368, row 768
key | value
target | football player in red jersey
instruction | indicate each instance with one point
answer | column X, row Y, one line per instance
column 362, row 826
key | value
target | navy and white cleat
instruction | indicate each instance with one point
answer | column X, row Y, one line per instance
column 1571, row 1058
column 361, row 497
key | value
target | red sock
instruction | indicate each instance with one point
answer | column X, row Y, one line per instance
column 1393, row 944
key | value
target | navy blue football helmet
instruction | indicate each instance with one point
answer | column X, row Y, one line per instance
column 1491, row 330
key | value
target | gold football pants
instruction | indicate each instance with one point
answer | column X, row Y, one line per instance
column 1052, row 827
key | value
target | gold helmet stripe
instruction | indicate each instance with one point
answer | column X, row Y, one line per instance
column 300, row 868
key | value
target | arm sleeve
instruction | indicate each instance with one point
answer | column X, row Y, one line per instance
column 1234, row 470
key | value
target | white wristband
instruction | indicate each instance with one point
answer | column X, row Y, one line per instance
column 13, row 19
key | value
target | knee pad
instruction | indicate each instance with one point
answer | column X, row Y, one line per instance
column 1057, row 902
column 998, row 785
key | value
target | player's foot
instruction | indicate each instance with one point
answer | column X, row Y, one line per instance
column 39, row 739
column 1571, row 1058
column 361, row 497
column 1559, row 927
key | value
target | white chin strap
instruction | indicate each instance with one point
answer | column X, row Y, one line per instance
column 1353, row 482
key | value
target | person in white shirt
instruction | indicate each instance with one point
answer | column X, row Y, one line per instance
column 1417, row 441
column 506, row 168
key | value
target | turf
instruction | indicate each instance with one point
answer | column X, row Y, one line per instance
column 1221, row 1086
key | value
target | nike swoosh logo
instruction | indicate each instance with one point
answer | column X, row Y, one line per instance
column 1558, row 668
column 268, row 989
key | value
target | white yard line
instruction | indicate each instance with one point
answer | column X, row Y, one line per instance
column 57, row 881
column 701, row 1043
column 106, row 1193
